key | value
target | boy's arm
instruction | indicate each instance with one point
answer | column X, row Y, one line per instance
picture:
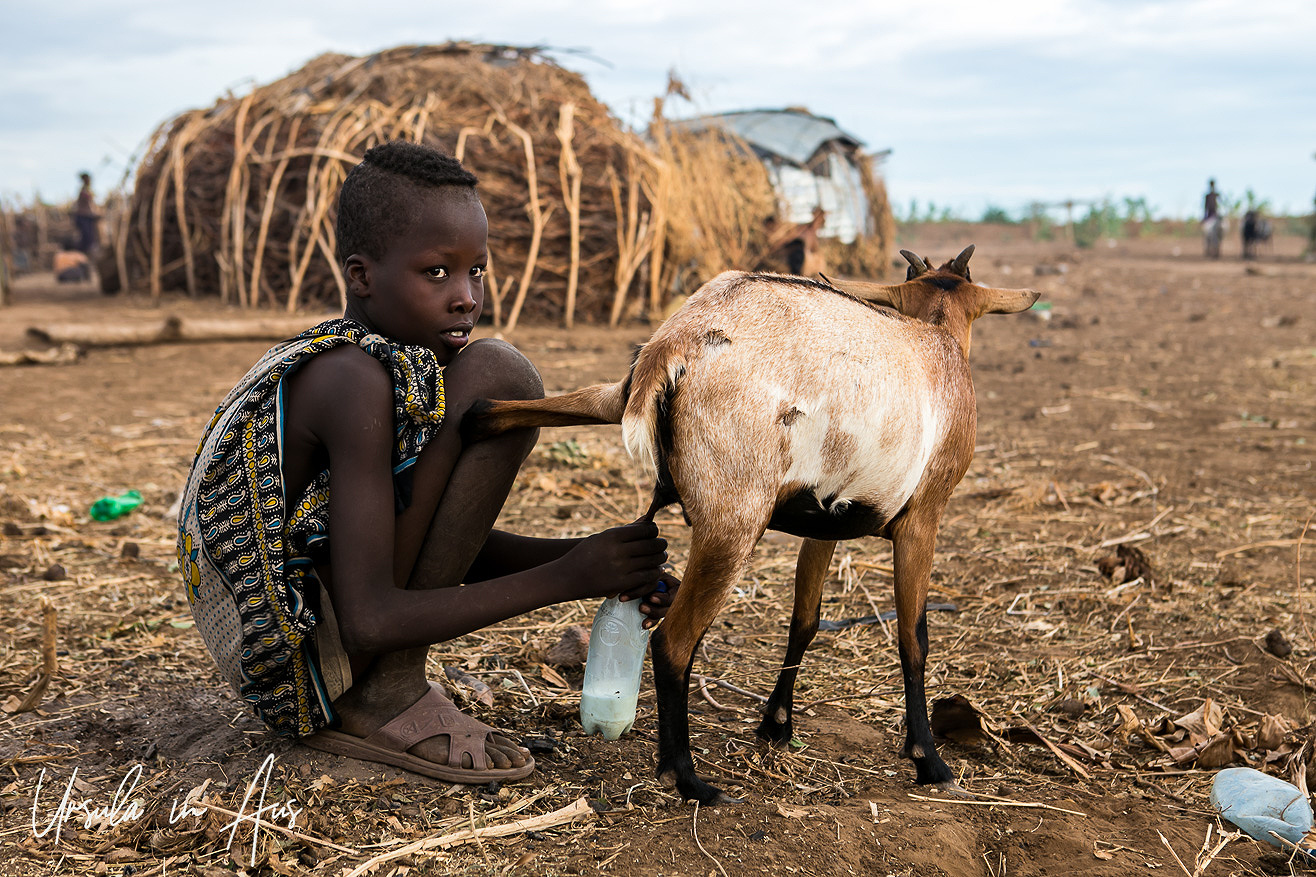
column 506, row 553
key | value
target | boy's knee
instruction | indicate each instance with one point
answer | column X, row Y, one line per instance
column 490, row 368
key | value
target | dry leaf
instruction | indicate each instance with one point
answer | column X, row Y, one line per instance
column 791, row 811
column 552, row 677
column 1223, row 749
column 956, row 718
column 1204, row 722
column 1270, row 735
column 1129, row 723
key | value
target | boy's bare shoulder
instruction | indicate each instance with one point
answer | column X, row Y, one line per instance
column 342, row 380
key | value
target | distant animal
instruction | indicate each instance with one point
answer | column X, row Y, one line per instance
column 1213, row 232
column 1256, row 231
column 826, row 410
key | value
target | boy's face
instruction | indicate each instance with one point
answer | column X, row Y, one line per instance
column 428, row 289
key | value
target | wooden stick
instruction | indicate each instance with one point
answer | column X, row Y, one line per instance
column 576, row 810
column 538, row 219
column 49, row 659
column 702, row 680
column 569, row 170
column 1059, row 753
column 271, row 198
column 995, row 802
column 1269, row 543
column 178, row 160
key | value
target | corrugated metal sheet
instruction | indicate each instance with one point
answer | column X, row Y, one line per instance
column 787, row 134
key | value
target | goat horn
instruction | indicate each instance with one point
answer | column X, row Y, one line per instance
column 918, row 263
column 960, row 264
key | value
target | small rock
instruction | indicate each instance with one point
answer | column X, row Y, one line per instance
column 55, row 573
column 130, row 551
column 541, row 745
column 571, row 649
column 1278, row 644
column 1072, row 707
column 12, row 529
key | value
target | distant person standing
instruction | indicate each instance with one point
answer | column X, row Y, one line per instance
column 85, row 218
column 1212, row 225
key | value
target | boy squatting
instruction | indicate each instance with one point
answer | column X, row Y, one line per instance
column 319, row 605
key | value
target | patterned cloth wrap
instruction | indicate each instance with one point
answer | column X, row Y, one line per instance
column 246, row 556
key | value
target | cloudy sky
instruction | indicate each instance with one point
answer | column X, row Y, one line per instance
column 981, row 103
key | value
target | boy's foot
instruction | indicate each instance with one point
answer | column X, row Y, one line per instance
column 435, row 739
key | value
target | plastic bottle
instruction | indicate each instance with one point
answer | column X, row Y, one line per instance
column 1259, row 804
column 617, row 644
column 107, row 508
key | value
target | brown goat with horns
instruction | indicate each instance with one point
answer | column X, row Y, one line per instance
column 772, row 402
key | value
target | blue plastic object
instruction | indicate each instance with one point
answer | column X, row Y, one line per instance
column 1259, row 803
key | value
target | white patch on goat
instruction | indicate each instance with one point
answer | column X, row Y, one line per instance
column 893, row 431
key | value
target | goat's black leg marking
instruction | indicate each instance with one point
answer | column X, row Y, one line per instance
column 928, row 766
column 777, row 726
column 676, row 766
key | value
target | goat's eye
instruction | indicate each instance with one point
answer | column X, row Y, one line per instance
column 438, row 272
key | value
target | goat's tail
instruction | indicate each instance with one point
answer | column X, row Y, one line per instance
column 653, row 380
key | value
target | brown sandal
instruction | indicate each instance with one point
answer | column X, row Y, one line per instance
column 434, row 715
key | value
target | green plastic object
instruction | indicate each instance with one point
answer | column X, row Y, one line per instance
column 107, row 508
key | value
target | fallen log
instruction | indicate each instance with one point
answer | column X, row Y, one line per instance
column 173, row 329
column 61, row 355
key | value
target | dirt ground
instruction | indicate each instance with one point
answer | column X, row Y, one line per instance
column 1168, row 404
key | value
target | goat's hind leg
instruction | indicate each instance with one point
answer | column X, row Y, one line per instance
column 777, row 726
column 716, row 564
column 913, row 542
column 601, row 403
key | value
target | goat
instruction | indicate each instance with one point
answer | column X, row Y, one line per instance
column 774, row 402
column 1257, row 230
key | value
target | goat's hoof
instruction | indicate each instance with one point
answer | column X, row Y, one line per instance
column 703, row 793
column 777, row 736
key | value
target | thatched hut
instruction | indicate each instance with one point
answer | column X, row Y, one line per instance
column 586, row 219
column 238, row 199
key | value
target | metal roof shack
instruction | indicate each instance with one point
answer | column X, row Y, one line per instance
column 812, row 163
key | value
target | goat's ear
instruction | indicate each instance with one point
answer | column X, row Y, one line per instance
column 1007, row 301
column 917, row 264
column 960, row 264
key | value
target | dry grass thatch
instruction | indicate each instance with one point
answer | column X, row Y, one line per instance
column 238, row 199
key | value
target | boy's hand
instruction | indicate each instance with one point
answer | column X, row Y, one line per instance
column 626, row 560
column 657, row 597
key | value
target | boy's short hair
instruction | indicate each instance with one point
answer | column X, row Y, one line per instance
column 374, row 200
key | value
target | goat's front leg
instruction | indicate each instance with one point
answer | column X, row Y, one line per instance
column 716, row 563
column 810, row 570
column 913, row 540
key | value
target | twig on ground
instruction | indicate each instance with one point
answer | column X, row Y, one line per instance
column 576, row 810
column 1182, row 866
column 702, row 680
column 49, row 661
column 1297, row 578
column 694, row 830
column 991, row 801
